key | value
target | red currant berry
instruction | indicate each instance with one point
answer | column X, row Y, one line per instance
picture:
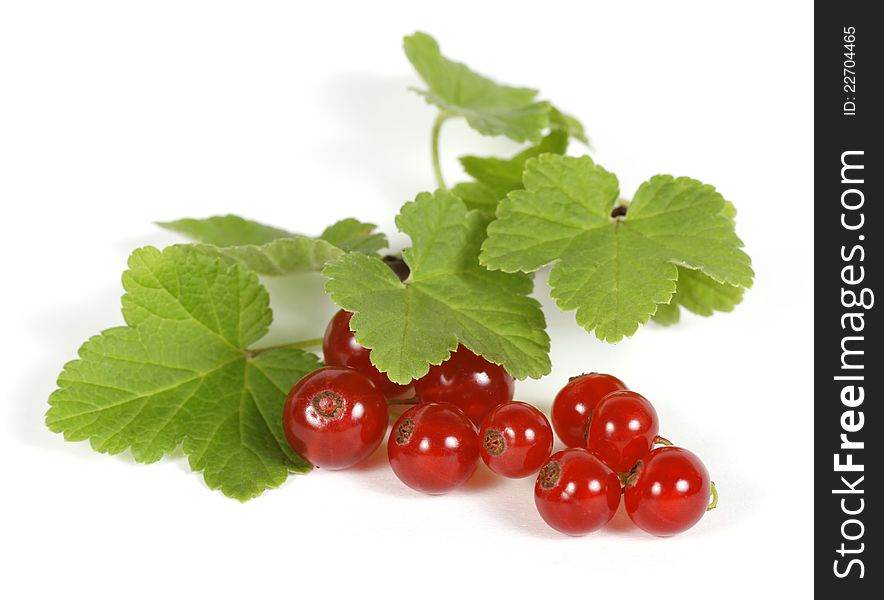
column 469, row 382
column 622, row 429
column 433, row 448
column 516, row 439
column 668, row 491
column 335, row 417
column 576, row 493
column 575, row 402
column 340, row 348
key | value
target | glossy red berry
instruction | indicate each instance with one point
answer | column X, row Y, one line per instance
column 516, row 439
column 335, row 417
column 622, row 429
column 340, row 348
column 469, row 382
column 668, row 491
column 576, row 493
column 433, row 448
column 575, row 402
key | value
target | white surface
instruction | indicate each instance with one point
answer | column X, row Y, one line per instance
column 116, row 114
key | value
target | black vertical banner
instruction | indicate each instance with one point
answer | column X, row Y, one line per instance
column 848, row 357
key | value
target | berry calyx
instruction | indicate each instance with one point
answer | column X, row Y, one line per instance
column 662, row 441
column 328, row 404
column 335, row 417
column 549, row 475
column 433, row 448
column 669, row 491
column 493, row 442
column 340, row 348
column 575, row 402
column 403, row 430
column 516, row 439
column 576, row 493
column 469, row 382
column 622, row 430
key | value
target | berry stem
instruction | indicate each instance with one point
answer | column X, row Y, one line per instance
column 714, row 502
column 299, row 345
column 443, row 116
column 404, row 401
column 662, row 441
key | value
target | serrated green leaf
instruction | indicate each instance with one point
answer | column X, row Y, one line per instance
column 226, row 230
column 614, row 271
column 284, row 256
column 489, row 108
column 271, row 251
column 702, row 295
column 477, row 196
column 570, row 125
column 448, row 298
column 505, row 175
column 496, row 177
column 352, row 235
column 667, row 314
column 729, row 211
column 180, row 373
column 699, row 294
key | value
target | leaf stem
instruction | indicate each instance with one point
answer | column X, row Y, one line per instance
column 714, row 501
column 299, row 345
column 443, row 116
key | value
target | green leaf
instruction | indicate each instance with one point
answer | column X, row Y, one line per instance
column 352, row 235
column 180, row 373
column 280, row 257
column 226, row 230
column 614, row 271
column 448, row 298
column 489, row 108
column 701, row 295
column 271, row 251
column 729, row 211
column 667, row 314
column 559, row 121
column 504, row 175
column 477, row 196
column 496, row 177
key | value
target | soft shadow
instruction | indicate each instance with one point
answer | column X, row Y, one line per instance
column 621, row 523
column 376, row 461
column 482, row 480
column 375, row 473
column 515, row 509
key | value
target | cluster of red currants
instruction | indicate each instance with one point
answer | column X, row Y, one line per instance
column 612, row 434
column 463, row 409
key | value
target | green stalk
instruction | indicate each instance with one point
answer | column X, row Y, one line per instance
column 299, row 345
column 714, row 501
column 437, row 127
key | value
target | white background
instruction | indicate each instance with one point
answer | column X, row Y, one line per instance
column 116, row 114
